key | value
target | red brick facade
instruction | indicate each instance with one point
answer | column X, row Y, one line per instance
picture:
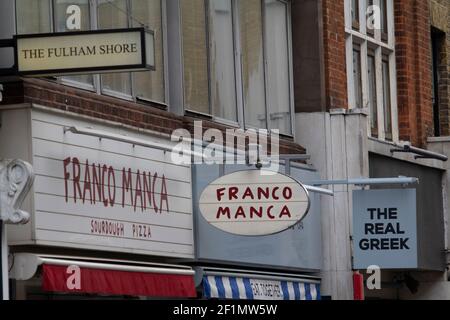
column 414, row 78
column 334, row 54
column 413, row 54
column 440, row 21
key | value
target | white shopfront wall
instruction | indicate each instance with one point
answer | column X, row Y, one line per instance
column 97, row 193
column 100, row 194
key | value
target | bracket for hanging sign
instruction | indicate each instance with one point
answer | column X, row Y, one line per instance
column 287, row 158
column 421, row 153
column 362, row 182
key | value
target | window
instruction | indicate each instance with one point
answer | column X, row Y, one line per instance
column 150, row 85
column 355, row 14
column 33, row 16
column 387, row 108
column 236, row 57
column 382, row 6
column 60, row 18
column 369, row 10
column 195, row 56
column 40, row 16
column 371, row 68
column 112, row 14
column 223, row 77
column 60, row 14
column 277, row 48
column 373, row 114
column 439, row 76
column 357, row 76
column 252, row 63
column 384, row 20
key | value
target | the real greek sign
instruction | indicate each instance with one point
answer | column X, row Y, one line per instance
column 85, row 51
column 254, row 203
column 385, row 228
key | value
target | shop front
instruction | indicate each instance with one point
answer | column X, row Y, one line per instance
column 235, row 284
column 270, row 259
column 399, row 229
column 110, row 212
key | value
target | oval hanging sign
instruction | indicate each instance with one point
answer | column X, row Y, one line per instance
column 252, row 203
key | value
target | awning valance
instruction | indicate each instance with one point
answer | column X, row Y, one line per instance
column 249, row 288
column 68, row 275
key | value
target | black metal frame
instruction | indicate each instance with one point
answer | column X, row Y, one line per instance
column 143, row 65
column 15, row 69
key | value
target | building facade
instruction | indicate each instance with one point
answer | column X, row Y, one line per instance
column 107, row 196
column 382, row 88
column 359, row 86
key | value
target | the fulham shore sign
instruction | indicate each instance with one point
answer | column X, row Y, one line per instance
column 82, row 52
column 251, row 203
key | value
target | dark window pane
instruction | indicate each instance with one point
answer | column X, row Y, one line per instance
column 357, row 76
column 277, row 52
column 195, row 56
column 387, row 108
column 113, row 14
column 251, row 39
column 150, row 84
column 372, row 95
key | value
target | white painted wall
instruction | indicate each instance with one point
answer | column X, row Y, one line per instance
column 60, row 218
column 337, row 143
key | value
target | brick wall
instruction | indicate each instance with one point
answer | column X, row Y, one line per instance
column 413, row 54
column 334, row 54
column 150, row 117
column 307, row 47
column 440, row 20
column 414, row 80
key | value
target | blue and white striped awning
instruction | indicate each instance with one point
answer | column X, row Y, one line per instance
column 243, row 288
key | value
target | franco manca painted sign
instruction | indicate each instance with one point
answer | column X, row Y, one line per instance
column 102, row 194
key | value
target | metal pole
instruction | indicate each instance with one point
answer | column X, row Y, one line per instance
column 4, row 284
column 319, row 190
column 367, row 181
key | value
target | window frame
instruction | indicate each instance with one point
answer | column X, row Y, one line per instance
column 369, row 3
column 357, row 49
column 110, row 92
column 240, row 119
column 388, row 98
column 62, row 79
column 373, row 41
column 165, row 58
column 290, row 66
column 371, row 53
column 236, row 48
column 355, row 22
column 96, row 85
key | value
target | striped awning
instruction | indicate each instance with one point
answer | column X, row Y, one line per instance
column 243, row 288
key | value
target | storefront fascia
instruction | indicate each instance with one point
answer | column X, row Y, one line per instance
column 73, row 211
column 282, row 266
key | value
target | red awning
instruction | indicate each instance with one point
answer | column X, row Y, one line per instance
column 61, row 278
